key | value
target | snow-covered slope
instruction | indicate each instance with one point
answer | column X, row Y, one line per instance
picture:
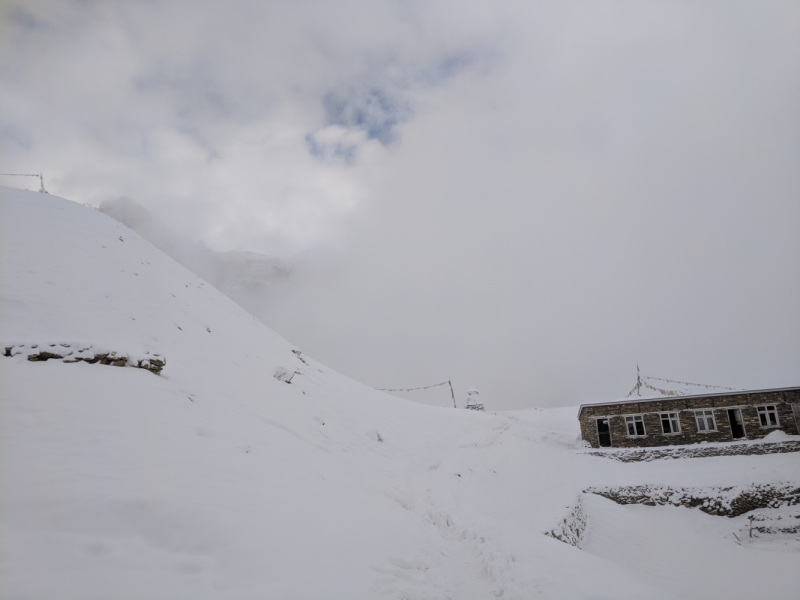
column 218, row 479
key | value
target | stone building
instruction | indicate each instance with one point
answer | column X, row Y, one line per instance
column 691, row 419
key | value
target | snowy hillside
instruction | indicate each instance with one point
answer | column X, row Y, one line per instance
column 247, row 470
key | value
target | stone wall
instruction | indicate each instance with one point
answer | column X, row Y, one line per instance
column 650, row 411
column 589, row 432
column 695, row 451
column 72, row 353
column 725, row 502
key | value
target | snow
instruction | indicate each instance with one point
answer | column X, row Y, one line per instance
column 778, row 436
column 248, row 470
column 715, row 566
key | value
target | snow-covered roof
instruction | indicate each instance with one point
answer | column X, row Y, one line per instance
column 638, row 400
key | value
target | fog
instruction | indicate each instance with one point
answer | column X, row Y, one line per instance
column 524, row 198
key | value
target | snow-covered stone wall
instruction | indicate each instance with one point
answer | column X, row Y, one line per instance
column 728, row 501
column 698, row 451
column 77, row 352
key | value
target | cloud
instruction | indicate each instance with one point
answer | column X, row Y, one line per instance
column 525, row 198
column 159, row 101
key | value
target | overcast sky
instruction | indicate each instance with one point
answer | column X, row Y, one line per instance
column 523, row 197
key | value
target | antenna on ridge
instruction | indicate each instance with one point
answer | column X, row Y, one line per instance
column 39, row 175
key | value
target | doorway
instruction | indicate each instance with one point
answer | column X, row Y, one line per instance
column 737, row 426
column 603, row 433
column 796, row 412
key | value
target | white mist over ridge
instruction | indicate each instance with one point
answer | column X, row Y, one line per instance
column 239, row 275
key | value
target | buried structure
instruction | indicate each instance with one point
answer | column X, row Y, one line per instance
column 719, row 417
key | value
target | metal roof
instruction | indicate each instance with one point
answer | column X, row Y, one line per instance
column 663, row 398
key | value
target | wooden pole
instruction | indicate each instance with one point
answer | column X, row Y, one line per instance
column 452, row 394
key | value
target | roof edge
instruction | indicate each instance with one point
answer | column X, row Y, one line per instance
column 662, row 399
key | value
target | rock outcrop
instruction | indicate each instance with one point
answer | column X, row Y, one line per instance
column 72, row 353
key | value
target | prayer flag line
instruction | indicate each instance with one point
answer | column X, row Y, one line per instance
column 411, row 389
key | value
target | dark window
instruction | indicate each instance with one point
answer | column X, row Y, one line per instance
column 705, row 420
column 635, row 425
column 768, row 415
column 670, row 423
